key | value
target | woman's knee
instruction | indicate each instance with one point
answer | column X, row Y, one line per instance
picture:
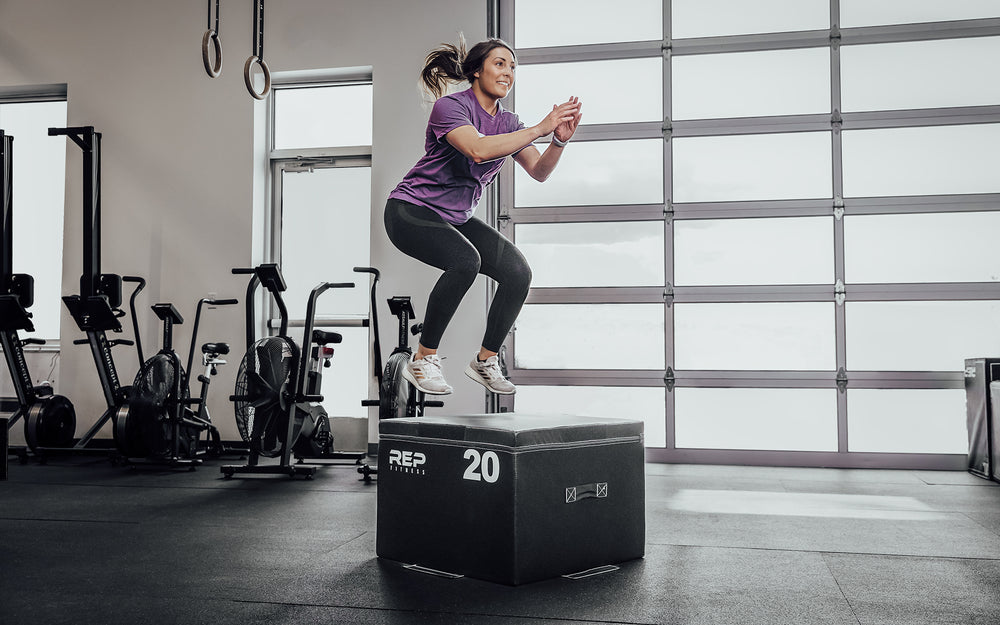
column 517, row 276
column 465, row 265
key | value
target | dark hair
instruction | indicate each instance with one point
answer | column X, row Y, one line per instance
column 449, row 62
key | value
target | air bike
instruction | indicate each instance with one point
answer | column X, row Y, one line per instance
column 158, row 425
column 278, row 385
column 396, row 397
column 49, row 419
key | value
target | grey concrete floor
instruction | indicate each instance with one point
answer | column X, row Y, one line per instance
column 82, row 541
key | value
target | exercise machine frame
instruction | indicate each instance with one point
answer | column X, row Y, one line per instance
column 96, row 308
column 167, row 430
column 49, row 419
column 269, row 275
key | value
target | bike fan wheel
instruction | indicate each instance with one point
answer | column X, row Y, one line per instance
column 395, row 392
column 265, row 376
column 51, row 422
column 154, row 397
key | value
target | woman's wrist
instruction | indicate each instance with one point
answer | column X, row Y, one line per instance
column 556, row 141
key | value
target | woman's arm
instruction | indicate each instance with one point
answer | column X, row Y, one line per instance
column 468, row 141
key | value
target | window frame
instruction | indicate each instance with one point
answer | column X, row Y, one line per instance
column 31, row 94
column 307, row 159
column 837, row 206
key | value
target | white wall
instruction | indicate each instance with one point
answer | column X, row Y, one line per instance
column 183, row 166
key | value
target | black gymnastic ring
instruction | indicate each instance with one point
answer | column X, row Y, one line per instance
column 213, row 69
column 248, row 79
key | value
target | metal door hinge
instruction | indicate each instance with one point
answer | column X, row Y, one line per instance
column 669, row 380
column 838, row 208
column 839, row 293
column 668, row 129
column 842, row 380
column 836, row 120
column 668, row 295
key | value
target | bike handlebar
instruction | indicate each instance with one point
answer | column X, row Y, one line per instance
column 370, row 270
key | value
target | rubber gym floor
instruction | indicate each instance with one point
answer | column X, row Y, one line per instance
column 82, row 541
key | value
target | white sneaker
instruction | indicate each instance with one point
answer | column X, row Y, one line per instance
column 488, row 374
column 425, row 375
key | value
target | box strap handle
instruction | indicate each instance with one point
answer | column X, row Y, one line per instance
column 586, row 491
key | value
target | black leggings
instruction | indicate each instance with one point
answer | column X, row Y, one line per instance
column 461, row 252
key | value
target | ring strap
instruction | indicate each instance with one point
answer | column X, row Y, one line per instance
column 258, row 54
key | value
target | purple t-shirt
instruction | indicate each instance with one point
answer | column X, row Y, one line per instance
column 445, row 180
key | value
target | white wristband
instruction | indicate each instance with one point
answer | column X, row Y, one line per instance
column 557, row 142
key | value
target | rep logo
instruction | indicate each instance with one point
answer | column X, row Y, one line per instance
column 407, row 461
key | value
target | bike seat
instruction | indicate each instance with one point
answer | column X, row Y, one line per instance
column 321, row 337
column 215, row 348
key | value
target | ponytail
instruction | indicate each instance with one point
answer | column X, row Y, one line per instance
column 449, row 63
column 443, row 65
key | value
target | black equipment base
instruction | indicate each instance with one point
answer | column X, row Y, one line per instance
column 293, row 470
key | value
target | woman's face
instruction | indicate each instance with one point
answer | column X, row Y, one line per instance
column 497, row 75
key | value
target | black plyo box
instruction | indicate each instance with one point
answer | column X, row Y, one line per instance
column 511, row 498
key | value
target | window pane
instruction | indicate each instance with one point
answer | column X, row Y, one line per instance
column 948, row 247
column 753, row 167
column 756, row 418
column 598, row 172
column 640, row 403
column 324, row 212
column 794, row 250
column 709, row 18
column 538, row 87
column 345, row 383
column 755, row 336
column 897, row 75
column 881, row 12
column 318, row 117
column 750, row 84
column 590, row 336
column 543, row 23
column 37, row 203
column 920, row 336
column 919, row 421
column 922, row 161
column 593, row 254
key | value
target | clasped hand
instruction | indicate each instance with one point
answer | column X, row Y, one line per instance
column 563, row 119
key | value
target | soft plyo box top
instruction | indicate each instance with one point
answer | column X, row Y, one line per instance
column 514, row 430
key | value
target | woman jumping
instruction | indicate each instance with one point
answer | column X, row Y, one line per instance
column 429, row 214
